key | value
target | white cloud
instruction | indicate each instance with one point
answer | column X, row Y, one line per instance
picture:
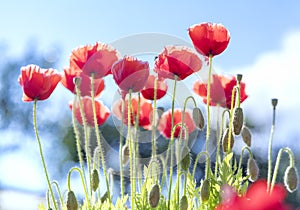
column 276, row 74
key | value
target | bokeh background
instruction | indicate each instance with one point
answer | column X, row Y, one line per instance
column 264, row 47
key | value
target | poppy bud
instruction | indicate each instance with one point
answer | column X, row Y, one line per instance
column 291, row 179
column 252, row 170
column 77, row 81
column 95, row 180
column 154, row 196
column 246, row 135
column 198, row 118
column 186, row 158
column 125, row 155
column 205, row 190
column 239, row 77
column 238, row 119
column 71, row 201
column 225, row 140
column 183, row 204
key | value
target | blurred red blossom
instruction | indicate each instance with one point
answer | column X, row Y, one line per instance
column 37, row 83
column 102, row 112
column 145, row 113
column 148, row 90
column 221, row 90
column 165, row 123
column 256, row 198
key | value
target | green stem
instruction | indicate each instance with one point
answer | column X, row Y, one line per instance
column 154, row 121
column 208, row 102
column 86, row 135
column 270, row 149
column 231, row 118
column 82, row 181
column 172, row 141
column 292, row 160
column 207, row 163
column 59, row 192
column 242, row 155
column 218, row 155
column 41, row 152
column 121, row 154
column 129, row 138
column 77, row 138
column 98, row 135
column 136, row 144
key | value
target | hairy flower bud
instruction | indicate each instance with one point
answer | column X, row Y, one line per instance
column 252, row 170
column 225, row 141
column 186, row 158
column 238, row 120
column 71, row 201
column 198, row 118
column 291, row 179
column 205, row 190
column 95, row 180
column 125, row 155
column 183, row 204
column 154, row 196
column 246, row 135
column 154, row 167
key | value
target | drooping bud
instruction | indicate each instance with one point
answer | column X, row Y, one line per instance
column 125, row 155
column 95, row 180
column 186, row 158
column 154, row 196
column 154, row 167
column 198, row 118
column 205, row 190
column 238, row 120
column 291, row 179
column 183, row 204
column 71, row 201
column 246, row 135
column 252, row 170
column 225, row 141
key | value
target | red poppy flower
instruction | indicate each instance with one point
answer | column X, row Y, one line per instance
column 256, row 198
column 130, row 74
column 221, row 90
column 177, row 60
column 102, row 112
column 165, row 123
column 71, row 73
column 37, row 83
column 97, row 59
column 148, row 90
column 145, row 114
column 209, row 38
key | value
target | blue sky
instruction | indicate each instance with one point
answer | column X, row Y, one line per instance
column 264, row 46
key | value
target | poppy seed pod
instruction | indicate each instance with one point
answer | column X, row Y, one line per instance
column 125, row 155
column 154, row 196
column 246, row 135
column 205, row 190
column 225, row 140
column 95, row 180
column 71, row 201
column 186, row 158
column 238, row 119
column 291, row 179
column 198, row 118
column 252, row 170
column 183, row 204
